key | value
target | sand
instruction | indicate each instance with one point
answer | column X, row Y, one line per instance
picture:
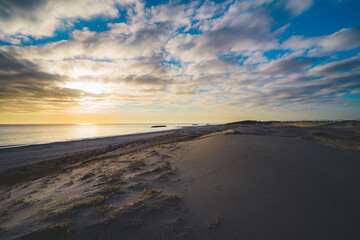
column 21, row 156
column 237, row 181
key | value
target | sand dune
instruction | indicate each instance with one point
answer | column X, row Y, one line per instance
column 264, row 187
column 237, row 181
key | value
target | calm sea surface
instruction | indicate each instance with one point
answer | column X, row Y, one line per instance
column 28, row 134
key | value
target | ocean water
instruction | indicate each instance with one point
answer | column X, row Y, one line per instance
column 14, row 135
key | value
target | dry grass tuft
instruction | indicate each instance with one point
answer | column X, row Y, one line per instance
column 138, row 201
column 104, row 208
column 172, row 196
column 92, row 201
column 58, row 230
column 116, row 178
column 150, row 193
column 166, row 174
column 136, row 165
column 43, row 210
column 124, row 207
column 138, row 185
column 165, row 166
column 110, row 190
column 109, row 219
column 137, row 204
column 61, row 201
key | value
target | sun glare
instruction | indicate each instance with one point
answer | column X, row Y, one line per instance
column 90, row 87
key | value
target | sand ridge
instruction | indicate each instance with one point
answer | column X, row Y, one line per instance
column 237, row 181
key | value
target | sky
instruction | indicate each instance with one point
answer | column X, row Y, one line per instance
column 133, row 61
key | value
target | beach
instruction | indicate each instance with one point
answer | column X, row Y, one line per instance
column 244, row 180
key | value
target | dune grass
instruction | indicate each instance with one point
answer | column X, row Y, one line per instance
column 104, row 208
column 138, row 184
column 165, row 166
column 43, row 210
column 109, row 219
column 166, row 174
column 137, row 204
column 92, row 201
column 136, row 165
column 150, row 193
column 172, row 196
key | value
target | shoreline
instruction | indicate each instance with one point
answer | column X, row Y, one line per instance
column 84, row 139
column 45, row 158
column 204, row 182
column 40, row 141
column 47, row 151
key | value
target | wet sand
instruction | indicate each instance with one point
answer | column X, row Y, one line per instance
column 237, row 181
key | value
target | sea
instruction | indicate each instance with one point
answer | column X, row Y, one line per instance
column 16, row 135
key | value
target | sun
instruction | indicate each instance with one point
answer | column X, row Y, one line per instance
column 90, row 87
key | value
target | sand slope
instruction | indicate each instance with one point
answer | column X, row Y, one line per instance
column 235, row 181
column 261, row 187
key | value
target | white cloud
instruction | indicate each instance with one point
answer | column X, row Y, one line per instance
column 41, row 18
column 345, row 39
column 296, row 7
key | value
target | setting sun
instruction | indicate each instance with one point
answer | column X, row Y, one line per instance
column 90, row 87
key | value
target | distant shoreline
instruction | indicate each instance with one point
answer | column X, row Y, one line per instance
column 82, row 140
column 14, row 136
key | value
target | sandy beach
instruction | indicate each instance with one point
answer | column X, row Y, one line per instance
column 245, row 180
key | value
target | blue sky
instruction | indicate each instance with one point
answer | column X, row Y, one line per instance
column 178, row 61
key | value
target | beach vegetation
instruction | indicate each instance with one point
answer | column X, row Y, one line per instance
column 116, row 178
column 172, row 196
column 166, row 174
column 61, row 200
column 61, row 229
column 109, row 219
column 111, row 189
column 138, row 185
column 165, row 166
column 43, row 210
column 136, row 165
column 92, row 201
column 138, row 203
column 150, row 193
column 104, row 208
column 123, row 207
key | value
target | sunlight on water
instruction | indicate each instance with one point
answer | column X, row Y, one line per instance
column 20, row 135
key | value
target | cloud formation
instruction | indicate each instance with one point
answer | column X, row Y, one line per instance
column 232, row 55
